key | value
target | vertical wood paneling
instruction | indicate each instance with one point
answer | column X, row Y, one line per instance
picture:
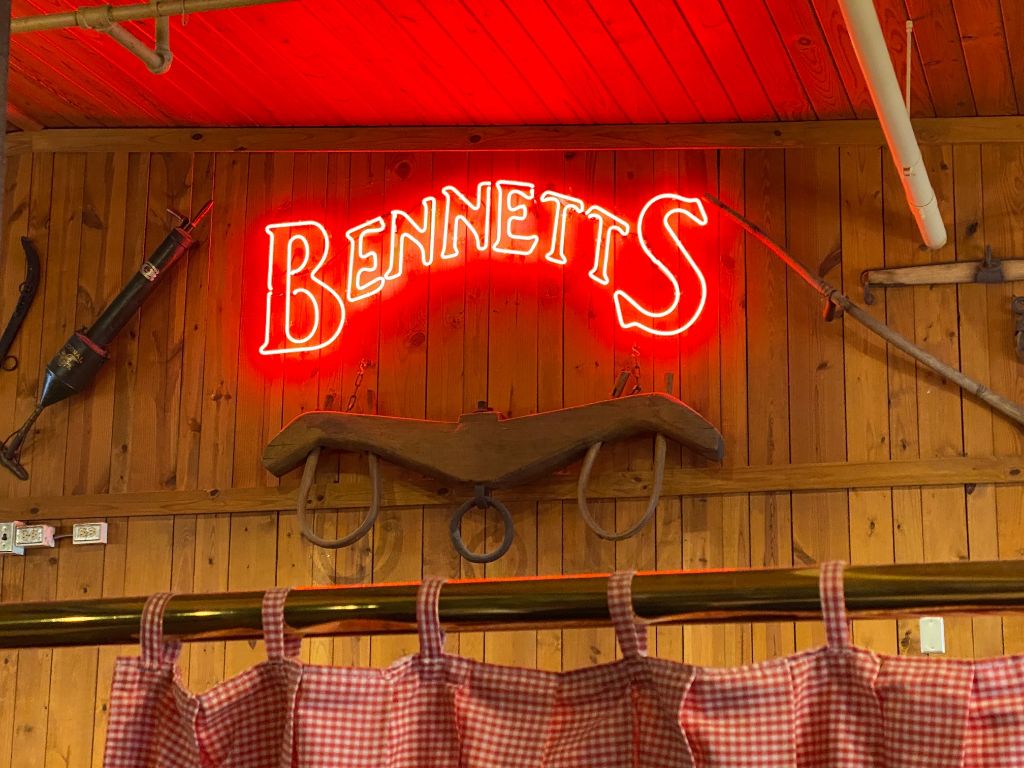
column 668, row 528
column 185, row 404
column 74, row 672
column 867, row 389
column 732, row 329
column 969, row 233
column 446, row 341
column 401, row 383
column 225, row 237
column 252, row 550
column 703, row 530
column 512, row 385
column 551, row 372
column 816, row 365
column 589, row 371
column 634, row 175
column 17, row 188
column 900, row 249
column 771, row 537
column 941, row 428
column 1004, row 214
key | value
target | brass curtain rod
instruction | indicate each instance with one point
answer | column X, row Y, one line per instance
column 532, row 603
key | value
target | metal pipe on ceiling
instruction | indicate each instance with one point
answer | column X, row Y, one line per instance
column 969, row 588
column 98, row 16
column 157, row 60
column 873, row 56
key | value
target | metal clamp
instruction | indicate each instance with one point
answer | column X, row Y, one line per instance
column 865, row 277
column 990, row 270
column 481, row 500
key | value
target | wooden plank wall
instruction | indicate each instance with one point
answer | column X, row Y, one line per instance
column 184, row 403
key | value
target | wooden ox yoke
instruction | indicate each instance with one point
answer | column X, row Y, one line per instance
column 488, row 451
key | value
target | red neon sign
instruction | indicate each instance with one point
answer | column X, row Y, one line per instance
column 305, row 313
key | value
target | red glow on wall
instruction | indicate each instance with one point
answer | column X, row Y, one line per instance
column 655, row 284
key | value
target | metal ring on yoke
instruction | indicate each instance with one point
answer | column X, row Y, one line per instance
column 482, row 501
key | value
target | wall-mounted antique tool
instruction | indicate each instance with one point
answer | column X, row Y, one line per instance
column 487, row 451
column 834, row 296
column 78, row 361
column 989, row 270
column 26, row 295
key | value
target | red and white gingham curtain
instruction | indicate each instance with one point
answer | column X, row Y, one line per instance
column 837, row 706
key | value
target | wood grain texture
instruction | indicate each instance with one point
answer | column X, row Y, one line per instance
column 986, row 55
column 937, row 38
column 983, row 533
column 816, row 365
column 829, row 133
column 836, row 445
column 411, row 63
column 943, row 273
column 1003, row 210
column 485, row 448
column 867, row 412
column 771, row 537
column 353, row 488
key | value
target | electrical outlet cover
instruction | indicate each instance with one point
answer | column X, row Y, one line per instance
column 37, row 535
column 933, row 635
column 89, row 533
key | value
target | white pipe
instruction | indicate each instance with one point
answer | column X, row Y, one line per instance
column 92, row 17
column 873, row 55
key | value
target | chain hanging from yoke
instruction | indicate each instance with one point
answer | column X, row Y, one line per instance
column 363, row 365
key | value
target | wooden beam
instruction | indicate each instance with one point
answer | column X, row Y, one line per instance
column 409, row 490
column 20, row 120
column 518, row 137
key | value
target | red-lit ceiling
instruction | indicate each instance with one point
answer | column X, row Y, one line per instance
column 420, row 62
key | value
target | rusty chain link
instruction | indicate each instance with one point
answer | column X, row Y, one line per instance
column 363, row 365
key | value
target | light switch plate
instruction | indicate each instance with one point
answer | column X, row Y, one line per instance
column 933, row 635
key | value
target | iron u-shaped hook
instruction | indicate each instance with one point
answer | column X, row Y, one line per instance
column 308, row 473
column 660, row 450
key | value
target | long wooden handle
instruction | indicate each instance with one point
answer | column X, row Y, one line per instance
column 949, row 273
column 1007, row 407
